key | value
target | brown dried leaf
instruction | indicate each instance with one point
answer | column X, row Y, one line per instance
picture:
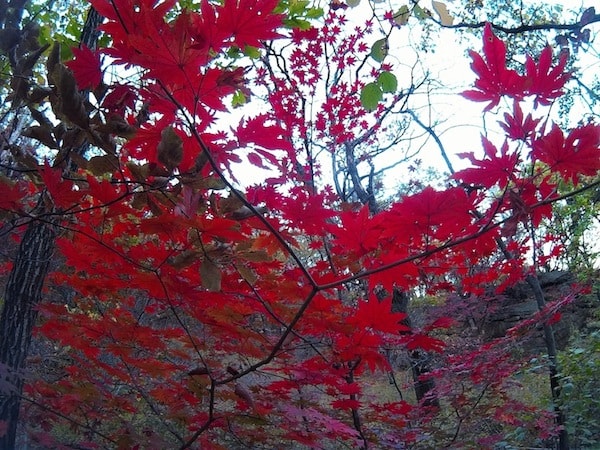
column 116, row 126
column 38, row 94
column 210, row 275
column 247, row 274
column 25, row 65
column 204, row 183
column 100, row 165
column 170, row 148
column 73, row 138
column 184, row 259
column 140, row 173
column 41, row 134
column 229, row 204
column 69, row 104
column 140, row 200
column 198, row 371
column 52, row 61
column 78, row 160
column 245, row 212
column 442, row 11
column 256, row 256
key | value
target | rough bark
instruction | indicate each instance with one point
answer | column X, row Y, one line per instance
column 22, row 294
column 23, row 290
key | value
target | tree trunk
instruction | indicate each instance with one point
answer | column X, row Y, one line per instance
column 23, row 290
column 22, row 294
column 419, row 360
column 563, row 436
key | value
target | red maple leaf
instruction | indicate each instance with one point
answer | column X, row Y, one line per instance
column 494, row 79
column 346, row 403
column 522, row 201
column 358, row 234
column 577, row 154
column 12, row 194
column 516, row 127
column 166, row 50
column 249, row 21
column 492, row 169
column 377, row 315
column 423, row 341
column 86, row 67
column 544, row 81
column 428, row 215
column 267, row 134
column 62, row 191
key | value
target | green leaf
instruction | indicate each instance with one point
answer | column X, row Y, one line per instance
column 233, row 52
column 388, row 82
column 421, row 13
column 251, row 52
column 379, row 50
column 239, row 99
column 401, row 17
column 314, row 13
column 301, row 24
column 370, row 96
column 297, row 8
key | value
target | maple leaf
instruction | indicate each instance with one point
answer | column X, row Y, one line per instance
column 308, row 211
column 249, row 21
column 345, row 404
column 377, row 315
column 358, row 234
column 542, row 80
column 126, row 18
column 166, row 51
column 63, row 192
column 86, row 67
column 12, row 194
column 423, row 341
column 442, row 322
column 577, row 154
column 428, row 215
column 494, row 78
column 258, row 130
column 516, row 127
column 493, row 169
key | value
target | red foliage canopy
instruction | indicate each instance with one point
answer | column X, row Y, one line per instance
column 213, row 310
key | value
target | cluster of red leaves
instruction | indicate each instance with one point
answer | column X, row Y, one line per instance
column 214, row 319
column 496, row 80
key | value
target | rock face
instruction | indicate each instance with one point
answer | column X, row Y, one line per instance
column 518, row 303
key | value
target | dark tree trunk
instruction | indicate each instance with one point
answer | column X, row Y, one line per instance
column 23, row 290
column 21, row 296
column 563, row 436
column 419, row 360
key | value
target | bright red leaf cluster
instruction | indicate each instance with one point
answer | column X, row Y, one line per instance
column 495, row 80
column 199, row 314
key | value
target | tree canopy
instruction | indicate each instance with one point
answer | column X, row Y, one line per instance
column 202, row 249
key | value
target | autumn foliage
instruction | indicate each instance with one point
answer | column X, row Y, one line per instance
column 195, row 314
